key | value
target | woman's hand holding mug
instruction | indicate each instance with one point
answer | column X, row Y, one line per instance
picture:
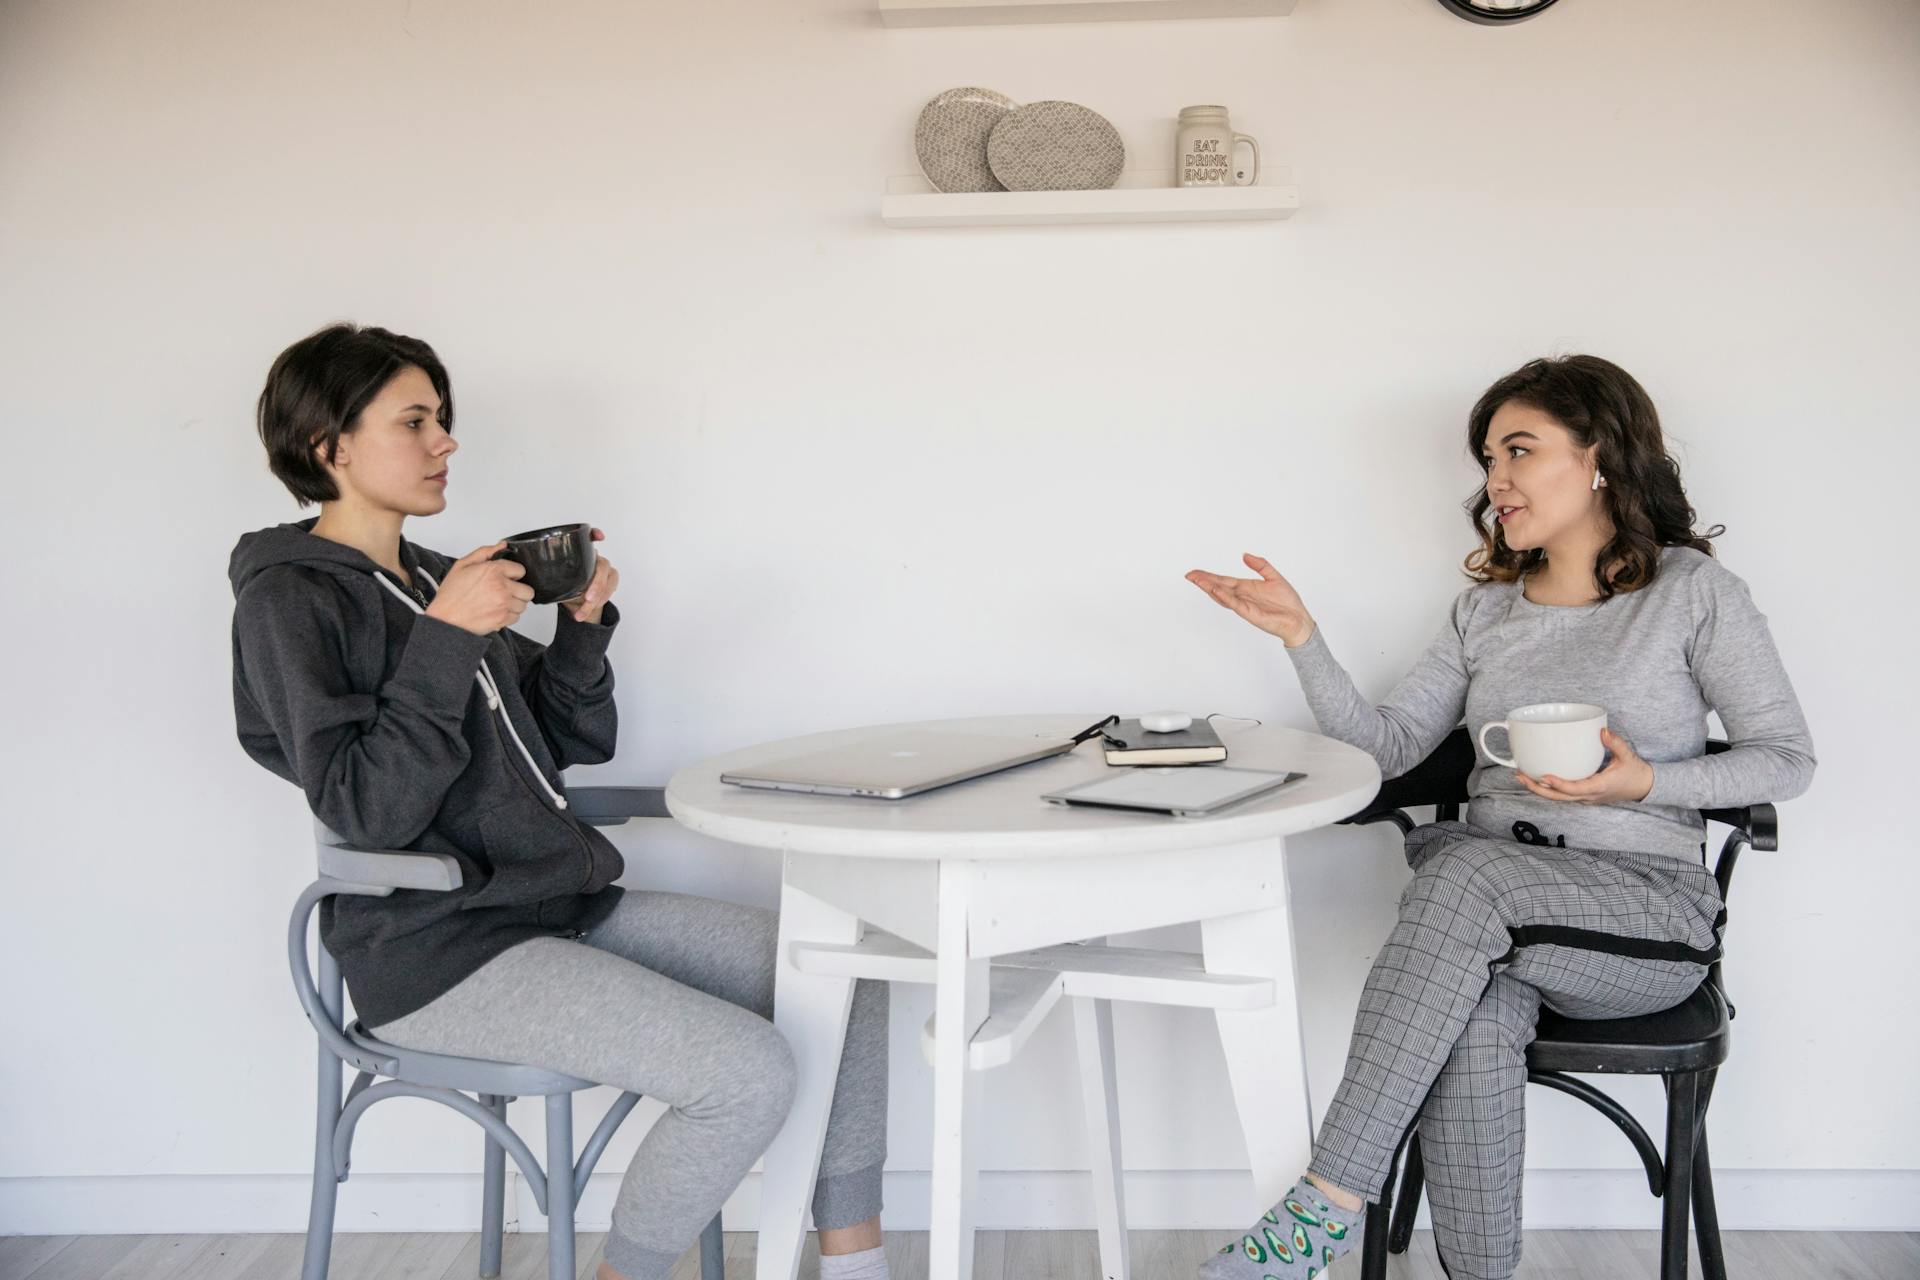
column 588, row 606
column 482, row 594
column 1269, row 602
column 1626, row 778
column 1560, row 752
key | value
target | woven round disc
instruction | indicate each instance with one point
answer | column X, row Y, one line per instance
column 1055, row 146
column 951, row 138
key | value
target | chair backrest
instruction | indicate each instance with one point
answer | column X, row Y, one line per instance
column 344, row 869
column 321, row 999
column 1440, row 780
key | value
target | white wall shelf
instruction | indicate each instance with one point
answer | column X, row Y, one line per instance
column 907, row 207
column 975, row 13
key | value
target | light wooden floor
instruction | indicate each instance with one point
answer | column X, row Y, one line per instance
column 999, row 1255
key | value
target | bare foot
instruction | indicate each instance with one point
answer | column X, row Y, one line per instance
column 854, row 1239
column 606, row 1272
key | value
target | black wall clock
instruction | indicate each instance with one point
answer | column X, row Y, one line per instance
column 1496, row 12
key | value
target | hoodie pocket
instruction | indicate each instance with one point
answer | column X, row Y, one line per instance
column 605, row 861
column 524, row 868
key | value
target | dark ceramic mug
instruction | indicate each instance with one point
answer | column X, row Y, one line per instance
column 559, row 560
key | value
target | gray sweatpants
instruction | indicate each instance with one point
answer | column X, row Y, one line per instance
column 671, row 997
column 1451, row 1004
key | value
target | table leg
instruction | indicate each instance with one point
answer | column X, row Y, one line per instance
column 960, row 1006
column 1093, row 1030
column 810, row 1010
column 1265, row 1054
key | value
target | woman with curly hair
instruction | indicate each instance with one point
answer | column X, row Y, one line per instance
column 1590, row 585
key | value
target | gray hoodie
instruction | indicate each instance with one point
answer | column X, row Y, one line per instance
column 406, row 732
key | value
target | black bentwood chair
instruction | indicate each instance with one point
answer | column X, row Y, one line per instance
column 1684, row 1045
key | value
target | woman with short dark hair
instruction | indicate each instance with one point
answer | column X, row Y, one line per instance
column 384, row 680
column 1591, row 586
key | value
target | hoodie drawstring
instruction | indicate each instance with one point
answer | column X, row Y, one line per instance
column 488, row 686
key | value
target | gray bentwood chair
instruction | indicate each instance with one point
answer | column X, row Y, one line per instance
column 389, row 1071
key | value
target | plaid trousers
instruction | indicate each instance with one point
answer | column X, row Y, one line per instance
column 1488, row 930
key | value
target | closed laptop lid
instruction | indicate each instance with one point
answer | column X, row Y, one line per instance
column 900, row 764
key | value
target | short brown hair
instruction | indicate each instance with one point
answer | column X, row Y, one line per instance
column 1600, row 404
column 316, row 390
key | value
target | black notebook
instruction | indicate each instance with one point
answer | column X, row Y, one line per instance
column 1128, row 743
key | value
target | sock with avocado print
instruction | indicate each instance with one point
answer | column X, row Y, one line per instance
column 1297, row 1239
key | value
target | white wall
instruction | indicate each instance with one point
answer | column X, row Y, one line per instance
column 853, row 475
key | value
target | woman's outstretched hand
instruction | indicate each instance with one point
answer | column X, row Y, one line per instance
column 588, row 605
column 1627, row 777
column 1269, row 601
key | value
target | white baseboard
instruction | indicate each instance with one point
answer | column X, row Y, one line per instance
column 1565, row 1199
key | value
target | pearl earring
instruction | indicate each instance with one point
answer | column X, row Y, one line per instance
column 1598, row 480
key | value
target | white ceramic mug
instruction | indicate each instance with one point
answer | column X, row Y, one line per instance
column 1560, row 738
column 1204, row 154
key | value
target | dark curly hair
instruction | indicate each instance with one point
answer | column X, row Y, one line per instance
column 1600, row 404
column 316, row 390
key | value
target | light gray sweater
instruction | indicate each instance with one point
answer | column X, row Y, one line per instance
column 1658, row 659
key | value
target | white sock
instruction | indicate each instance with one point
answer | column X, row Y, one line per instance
column 868, row 1264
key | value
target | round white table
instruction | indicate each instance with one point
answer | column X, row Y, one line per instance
column 1002, row 902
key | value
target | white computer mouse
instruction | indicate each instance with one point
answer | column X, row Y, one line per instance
column 1165, row 721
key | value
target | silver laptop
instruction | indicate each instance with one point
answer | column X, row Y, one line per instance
column 905, row 764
